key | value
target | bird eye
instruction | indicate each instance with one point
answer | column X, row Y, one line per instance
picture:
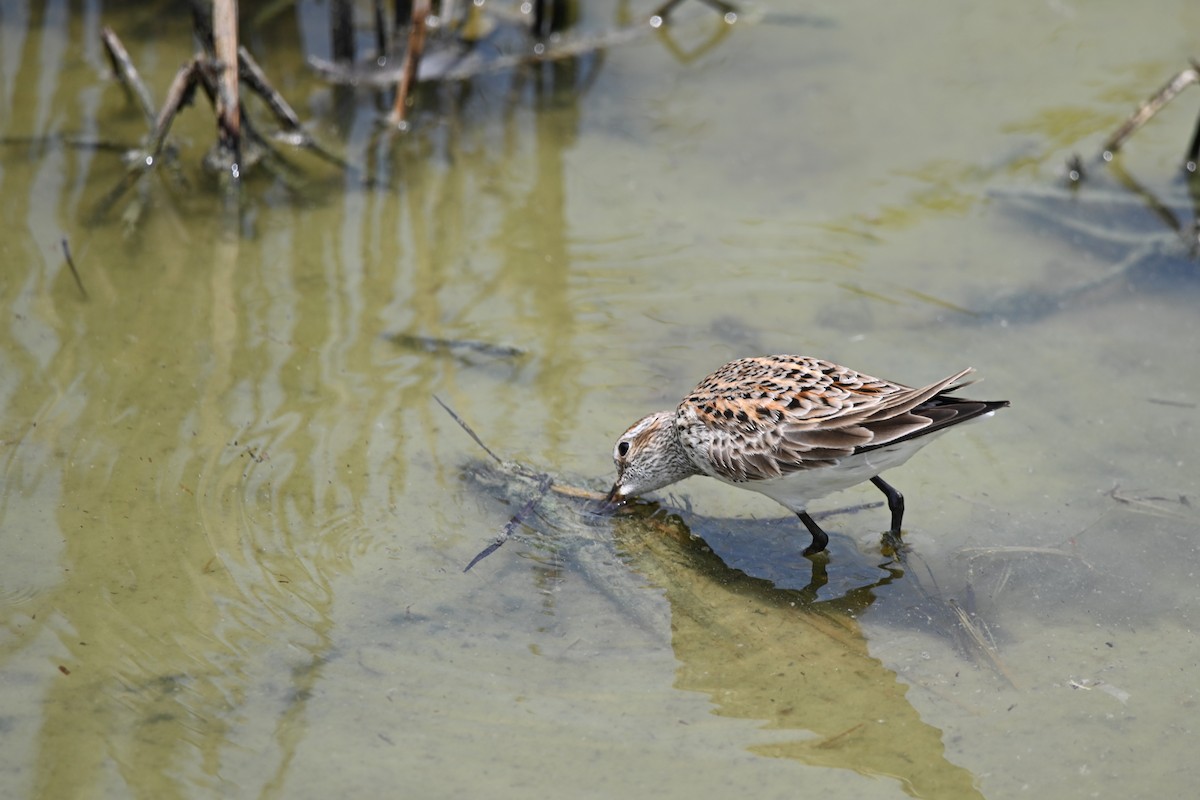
column 622, row 449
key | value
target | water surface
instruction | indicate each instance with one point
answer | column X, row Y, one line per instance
column 233, row 520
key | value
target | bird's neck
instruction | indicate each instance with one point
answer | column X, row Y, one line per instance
column 676, row 462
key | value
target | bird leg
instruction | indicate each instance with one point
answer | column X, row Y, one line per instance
column 819, row 538
column 895, row 502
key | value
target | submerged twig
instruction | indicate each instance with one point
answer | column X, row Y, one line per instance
column 435, row 344
column 71, row 264
column 1162, row 401
column 462, row 424
column 982, row 641
column 564, row 489
column 544, row 484
column 966, row 622
column 516, row 519
column 1153, row 504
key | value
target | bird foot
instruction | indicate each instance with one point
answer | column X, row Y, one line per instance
column 892, row 545
column 816, row 551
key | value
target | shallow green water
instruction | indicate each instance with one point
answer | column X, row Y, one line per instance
column 233, row 521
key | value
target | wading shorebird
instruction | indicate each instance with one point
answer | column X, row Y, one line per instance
column 794, row 428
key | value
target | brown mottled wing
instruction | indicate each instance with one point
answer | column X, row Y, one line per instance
column 765, row 417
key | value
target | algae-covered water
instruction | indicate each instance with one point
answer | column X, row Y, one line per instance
column 233, row 519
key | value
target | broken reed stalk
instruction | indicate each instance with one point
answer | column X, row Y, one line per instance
column 127, row 73
column 221, row 82
column 179, row 94
column 256, row 81
column 225, row 47
column 219, row 69
column 412, row 62
column 1151, row 107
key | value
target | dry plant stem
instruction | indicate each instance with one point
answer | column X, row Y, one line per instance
column 178, row 95
column 225, row 47
column 1151, row 107
column 127, row 72
column 207, row 76
column 219, row 75
column 256, row 79
column 412, row 61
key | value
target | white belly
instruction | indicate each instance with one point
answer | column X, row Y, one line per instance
column 796, row 490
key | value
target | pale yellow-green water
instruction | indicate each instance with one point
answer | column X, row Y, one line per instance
column 232, row 517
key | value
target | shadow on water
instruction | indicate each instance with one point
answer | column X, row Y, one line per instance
column 780, row 655
column 1142, row 243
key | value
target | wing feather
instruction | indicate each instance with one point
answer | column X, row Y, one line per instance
column 761, row 418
